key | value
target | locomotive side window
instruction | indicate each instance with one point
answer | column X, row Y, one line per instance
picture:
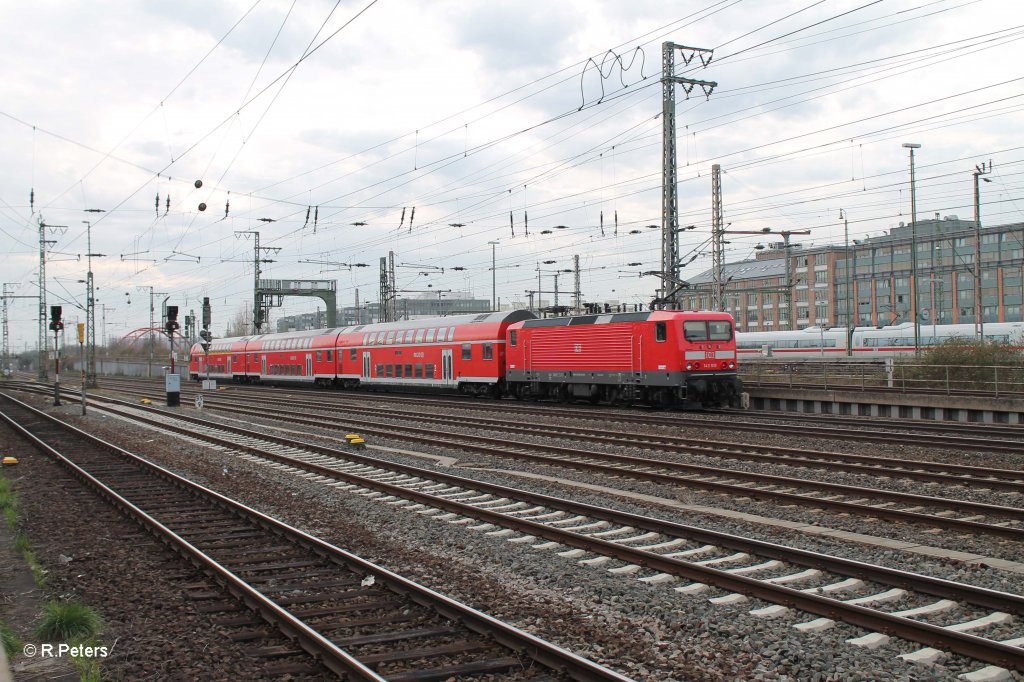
column 513, row 336
column 467, row 351
column 660, row 331
column 720, row 330
column 488, row 351
column 695, row 330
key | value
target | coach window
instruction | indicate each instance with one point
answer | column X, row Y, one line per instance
column 451, row 333
column 419, row 370
column 488, row 351
column 389, row 370
column 720, row 330
column 409, row 335
column 419, row 335
column 408, row 371
column 467, row 351
column 353, row 354
column 659, row 331
column 330, row 356
column 512, row 336
column 319, row 356
column 695, row 330
column 398, row 371
column 380, row 370
column 430, row 335
column 390, row 338
column 429, row 371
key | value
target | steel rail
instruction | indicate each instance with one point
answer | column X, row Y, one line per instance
column 503, row 448
column 551, row 655
column 970, row 645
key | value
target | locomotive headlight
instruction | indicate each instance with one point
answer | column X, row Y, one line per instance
column 732, row 365
column 689, row 365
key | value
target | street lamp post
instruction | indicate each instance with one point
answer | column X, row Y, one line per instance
column 913, row 249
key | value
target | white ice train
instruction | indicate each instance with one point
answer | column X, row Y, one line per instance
column 868, row 342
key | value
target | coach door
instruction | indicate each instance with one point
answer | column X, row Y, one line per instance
column 446, row 365
column 309, row 364
column 229, row 365
column 263, row 365
column 366, row 364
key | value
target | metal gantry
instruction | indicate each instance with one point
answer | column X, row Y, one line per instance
column 717, row 240
column 668, row 293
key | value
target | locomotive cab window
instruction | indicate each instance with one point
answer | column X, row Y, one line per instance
column 719, row 330
column 695, row 330
column 467, row 351
column 660, row 332
column 513, row 336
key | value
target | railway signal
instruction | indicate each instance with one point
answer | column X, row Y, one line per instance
column 57, row 325
column 172, row 381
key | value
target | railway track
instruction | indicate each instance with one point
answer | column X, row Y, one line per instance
column 975, row 437
column 931, row 472
column 361, row 621
column 963, row 515
column 693, row 562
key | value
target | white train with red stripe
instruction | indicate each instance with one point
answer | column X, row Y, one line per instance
column 867, row 342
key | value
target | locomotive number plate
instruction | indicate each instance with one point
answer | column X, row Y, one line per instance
column 709, row 355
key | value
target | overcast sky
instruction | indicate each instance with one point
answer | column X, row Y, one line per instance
column 490, row 119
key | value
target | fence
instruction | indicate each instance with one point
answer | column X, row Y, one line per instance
column 905, row 377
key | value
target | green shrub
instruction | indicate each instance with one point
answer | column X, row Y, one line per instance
column 10, row 640
column 68, row 621
column 965, row 364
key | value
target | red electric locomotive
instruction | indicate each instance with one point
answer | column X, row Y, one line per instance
column 661, row 357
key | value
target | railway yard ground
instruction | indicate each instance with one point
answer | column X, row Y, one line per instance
column 644, row 545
